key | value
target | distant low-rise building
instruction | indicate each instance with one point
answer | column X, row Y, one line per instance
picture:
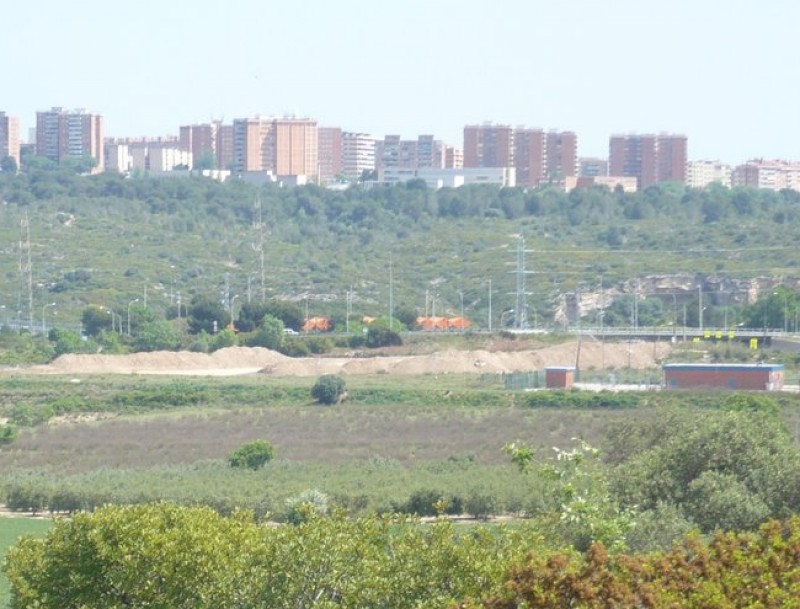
column 769, row 174
column 450, row 178
column 700, row 174
column 626, row 183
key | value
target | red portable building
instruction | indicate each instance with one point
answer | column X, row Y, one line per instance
column 748, row 377
column 559, row 377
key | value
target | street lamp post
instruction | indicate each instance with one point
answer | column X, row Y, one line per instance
column 44, row 325
column 230, row 307
column 700, row 307
column 490, row 306
column 114, row 317
column 135, row 300
column 674, row 314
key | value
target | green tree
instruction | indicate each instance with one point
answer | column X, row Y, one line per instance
column 577, row 506
column 328, row 389
column 158, row 335
column 140, row 556
column 223, row 339
column 207, row 314
column 161, row 555
column 742, row 463
column 65, row 341
column 94, row 319
column 252, row 455
column 269, row 335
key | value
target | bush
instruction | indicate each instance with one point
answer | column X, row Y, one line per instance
column 328, row 389
column 300, row 508
column 383, row 337
column 252, row 455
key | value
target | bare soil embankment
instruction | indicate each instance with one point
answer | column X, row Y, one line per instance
column 250, row 360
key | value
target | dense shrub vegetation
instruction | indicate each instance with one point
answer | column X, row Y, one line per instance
column 192, row 557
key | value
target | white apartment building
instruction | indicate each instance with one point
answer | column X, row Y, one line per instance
column 160, row 159
column 700, row 174
column 358, row 154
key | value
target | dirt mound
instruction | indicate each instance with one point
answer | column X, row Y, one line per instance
column 248, row 360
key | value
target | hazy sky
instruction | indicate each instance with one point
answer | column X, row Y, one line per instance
column 723, row 72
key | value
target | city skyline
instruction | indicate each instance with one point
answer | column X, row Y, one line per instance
column 718, row 74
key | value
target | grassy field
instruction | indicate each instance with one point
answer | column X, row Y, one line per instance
column 139, row 438
column 11, row 529
column 129, row 438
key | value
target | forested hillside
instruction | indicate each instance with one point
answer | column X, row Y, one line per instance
column 107, row 240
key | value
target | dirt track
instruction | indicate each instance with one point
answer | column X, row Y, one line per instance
column 248, row 360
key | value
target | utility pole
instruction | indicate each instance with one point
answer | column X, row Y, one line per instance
column 258, row 246
column 521, row 307
column 26, row 268
column 490, row 306
column 391, row 297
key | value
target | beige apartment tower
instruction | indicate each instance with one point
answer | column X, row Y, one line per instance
column 293, row 143
column 283, row 146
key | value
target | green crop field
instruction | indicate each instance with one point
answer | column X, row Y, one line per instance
column 11, row 529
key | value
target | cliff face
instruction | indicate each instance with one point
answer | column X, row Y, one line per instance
column 674, row 290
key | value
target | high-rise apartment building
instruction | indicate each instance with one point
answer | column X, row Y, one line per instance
column 284, row 146
column 488, row 146
column 530, row 156
column 224, row 146
column 329, row 145
column 292, row 147
column 61, row 135
column 201, row 141
column 648, row 158
column 536, row 155
column 9, row 138
column 562, row 155
column 672, row 158
column 358, row 154
column 249, row 140
column 430, row 152
column 394, row 152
